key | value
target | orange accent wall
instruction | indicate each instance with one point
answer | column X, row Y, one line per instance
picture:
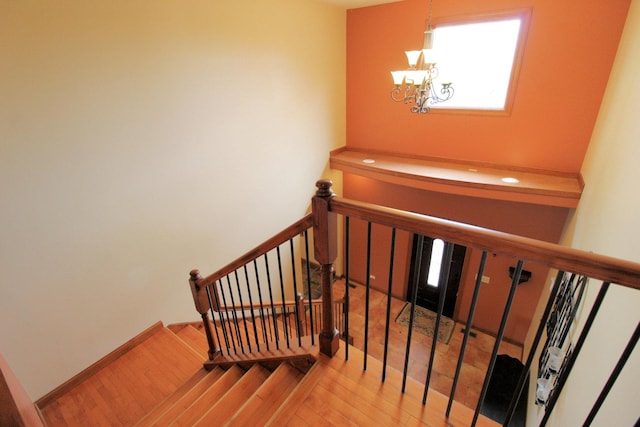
column 568, row 55
column 537, row 221
column 567, row 59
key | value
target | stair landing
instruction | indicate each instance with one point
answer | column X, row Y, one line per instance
column 336, row 392
column 124, row 390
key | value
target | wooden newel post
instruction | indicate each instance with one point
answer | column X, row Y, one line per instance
column 202, row 305
column 325, row 246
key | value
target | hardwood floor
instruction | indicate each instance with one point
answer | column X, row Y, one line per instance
column 477, row 353
column 336, row 392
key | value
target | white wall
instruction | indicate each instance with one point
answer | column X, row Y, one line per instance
column 140, row 140
column 607, row 222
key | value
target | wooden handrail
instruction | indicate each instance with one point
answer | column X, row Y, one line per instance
column 288, row 233
column 278, row 304
column 16, row 408
column 608, row 269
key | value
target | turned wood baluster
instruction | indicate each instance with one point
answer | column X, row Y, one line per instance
column 201, row 301
column 326, row 249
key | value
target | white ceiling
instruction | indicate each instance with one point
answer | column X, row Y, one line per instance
column 352, row 4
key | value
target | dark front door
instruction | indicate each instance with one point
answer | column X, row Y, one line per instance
column 428, row 277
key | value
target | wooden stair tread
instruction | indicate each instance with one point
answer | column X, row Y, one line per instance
column 234, row 398
column 195, row 339
column 300, row 392
column 138, row 387
column 183, row 397
column 266, row 400
column 109, row 396
column 302, row 357
column 207, row 398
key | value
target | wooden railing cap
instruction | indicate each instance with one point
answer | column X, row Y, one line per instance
column 324, row 188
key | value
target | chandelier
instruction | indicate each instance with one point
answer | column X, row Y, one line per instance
column 415, row 84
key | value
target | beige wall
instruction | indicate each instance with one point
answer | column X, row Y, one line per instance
column 140, row 140
column 607, row 222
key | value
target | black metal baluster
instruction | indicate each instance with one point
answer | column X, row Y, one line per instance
column 346, row 289
column 366, row 298
column 262, row 322
column 496, row 346
column 273, row 310
column 614, row 375
column 467, row 329
column 338, row 310
column 295, row 292
column 213, row 319
column 253, row 316
column 234, row 313
column 445, row 268
column 222, row 321
column 284, row 307
column 226, row 310
column 566, row 370
column 244, row 318
column 416, row 281
column 306, row 246
column 288, row 319
column 534, row 347
column 388, row 320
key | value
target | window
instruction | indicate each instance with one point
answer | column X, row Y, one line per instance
column 436, row 261
column 481, row 59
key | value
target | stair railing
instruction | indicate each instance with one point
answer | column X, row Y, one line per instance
column 575, row 269
column 255, row 302
column 569, row 264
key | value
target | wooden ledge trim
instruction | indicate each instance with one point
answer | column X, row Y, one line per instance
column 472, row 179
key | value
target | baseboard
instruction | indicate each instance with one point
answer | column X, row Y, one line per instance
column 94, row 368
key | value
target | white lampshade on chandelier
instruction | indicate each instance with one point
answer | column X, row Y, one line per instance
column 415, row 84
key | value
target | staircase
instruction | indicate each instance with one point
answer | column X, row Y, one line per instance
column 157, row 379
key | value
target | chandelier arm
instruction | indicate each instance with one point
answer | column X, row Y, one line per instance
column 446, row 91
column 396, row 94
column 406, row 93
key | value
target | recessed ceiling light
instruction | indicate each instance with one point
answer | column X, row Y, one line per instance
column 368, row 161
column 510, row 180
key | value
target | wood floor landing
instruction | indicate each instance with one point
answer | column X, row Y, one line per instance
column 125, row 390
column 339, row 393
